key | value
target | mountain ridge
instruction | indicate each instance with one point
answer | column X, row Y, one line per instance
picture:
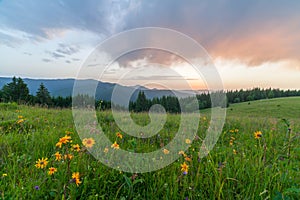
column 64, row 87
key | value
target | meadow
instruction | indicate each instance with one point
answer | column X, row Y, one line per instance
column 256, row 157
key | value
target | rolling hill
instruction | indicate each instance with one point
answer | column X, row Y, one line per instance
column 287, row 107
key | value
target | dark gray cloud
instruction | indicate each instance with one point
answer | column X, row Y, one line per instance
column 63, row 51
column 46, row 60
column 35, row 17
column 67, row 49
column 54, row 54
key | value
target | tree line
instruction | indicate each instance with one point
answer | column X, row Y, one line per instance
column 17, row 91
column 171, row 104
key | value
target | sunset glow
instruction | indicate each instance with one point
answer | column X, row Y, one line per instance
column 252, row 44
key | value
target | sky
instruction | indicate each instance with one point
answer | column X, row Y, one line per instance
column 252, row 43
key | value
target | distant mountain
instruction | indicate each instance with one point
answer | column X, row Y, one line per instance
column 64, row 87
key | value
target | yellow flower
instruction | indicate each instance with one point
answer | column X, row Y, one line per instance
column 58, row 156
column 3, row 175
column 68, row 156
column 236, row 130
column 52, row 170
column 119, row 135
column 41, row 163
column 58, row 144
column 188, row 141
column 88, row 142
column 76, row 147
column 20, row 121
column 188, row 159
column 257, row 134
column 115, row 145
column 105, row 150
column 63, row 140
column 231, row 142
column 234, row 151
column 75, row 175
column 184, row 168
column 181, row 152
column 166, row 151
column 20, row 117
column 76, row 178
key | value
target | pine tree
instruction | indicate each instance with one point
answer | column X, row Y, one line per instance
column 43, row 95
column 16, row 91
column 22, row 91
column 141, row 102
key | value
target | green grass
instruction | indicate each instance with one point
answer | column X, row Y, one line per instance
column 265, row 168
column 272, row 108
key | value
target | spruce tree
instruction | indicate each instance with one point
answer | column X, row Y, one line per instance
column 43, row 95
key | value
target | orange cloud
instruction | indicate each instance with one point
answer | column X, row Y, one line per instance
column 256, row 45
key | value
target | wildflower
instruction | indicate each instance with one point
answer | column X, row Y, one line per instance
column 20, row 121
column 76, row 178
column 68, row 156
column 88, row 142
column 20, row 117
column 58, row 144
column 3, row 175
column 257, row 134
column 234, row 151
column 105, row 150
column 63, row 140
column 236, row 130
column 166, row 151
column 115, row 145
column 188, row 159
column 37, row 187
column 57, row 156
column 119, row 135
column 181, row 153
column 52, row 170
column 76, row 147
column 231, row 142
column 184, row 168
column 41, row 163
column 188, row 141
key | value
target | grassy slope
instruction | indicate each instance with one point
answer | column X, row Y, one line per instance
column 245, row 175
column 273, row 108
